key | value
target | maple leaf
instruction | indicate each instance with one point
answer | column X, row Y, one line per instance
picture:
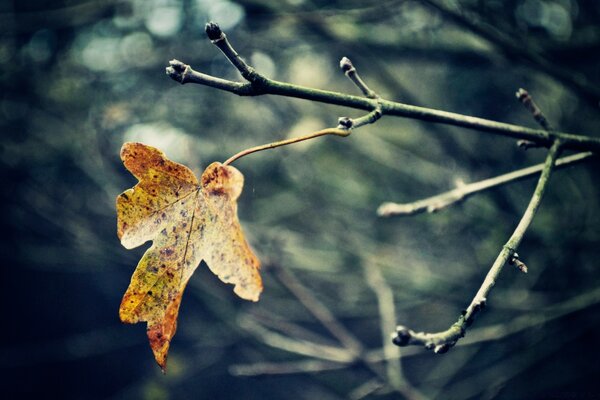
column 188, row 221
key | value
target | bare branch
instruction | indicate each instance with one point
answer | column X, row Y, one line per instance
column 387, row 318
column 260, row 85
column 284, row 368
column 302, row 347
column 461, row 193
column 441, row 342
column 366, row 389
column 350, row 71
column 318, row 310
column 511, row 48
column 348, row 68
column 219, row 39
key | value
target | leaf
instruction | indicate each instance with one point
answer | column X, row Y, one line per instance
column 188, row 221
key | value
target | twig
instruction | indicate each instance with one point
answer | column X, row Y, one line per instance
column 324, row 132
column 387, row 318
column 259, row 85
column 511, row 47
column 351, row 72
column 302, row 347
column 353, row 346
column 219, row 39
column 366, row 389
column 461, row 193
column 284, row 368
column 441, row 342
column 348, row 68
column 318, row 310
column 525, row 98
column 345, row 124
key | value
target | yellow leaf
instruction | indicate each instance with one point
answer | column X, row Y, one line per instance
column 188, row 221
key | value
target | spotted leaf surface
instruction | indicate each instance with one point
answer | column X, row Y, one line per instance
column 187, row 221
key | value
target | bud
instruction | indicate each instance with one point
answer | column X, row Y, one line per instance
column 346, row 64
column 213, row 31
column 345, row 122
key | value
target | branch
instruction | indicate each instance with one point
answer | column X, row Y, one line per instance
column 461, row 193
column 259, row 85
column 302, row 347
column 441, row 342
column 527, row 101
column 318, row 310
column 345, row 124
column 353, row 346
column 387, row 316
column 284, row 368
column 511, row 48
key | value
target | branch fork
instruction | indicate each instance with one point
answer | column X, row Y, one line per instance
column 443, row 341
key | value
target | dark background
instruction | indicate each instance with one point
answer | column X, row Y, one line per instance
column 79, row 78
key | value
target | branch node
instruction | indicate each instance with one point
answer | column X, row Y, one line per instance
column 345, row 123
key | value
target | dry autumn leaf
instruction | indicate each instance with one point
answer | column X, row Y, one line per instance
column 188, row 221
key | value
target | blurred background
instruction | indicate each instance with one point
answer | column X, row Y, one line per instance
column 79, row 78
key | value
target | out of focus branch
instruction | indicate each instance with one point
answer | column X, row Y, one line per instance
column 516, row 48
column 259, row 85
column 461, row 193
column 387, row 318
column 284, row 368
column 440, row 342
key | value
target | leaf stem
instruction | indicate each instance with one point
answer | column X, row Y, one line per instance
column 268, row 146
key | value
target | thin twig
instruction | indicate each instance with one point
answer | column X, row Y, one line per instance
column 441, row 342
column 318, row 310
column 514, row 47
column 302, row 347
column 375, row 114
column 461, row 193
column 284, row 368
column 387, row 318
column 345, row 124
column 354, row 348
column 366, row 389
column 259, row 85
column 350, row 71
column 219, row 39
column 324, row 132
column 525, row 98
